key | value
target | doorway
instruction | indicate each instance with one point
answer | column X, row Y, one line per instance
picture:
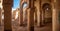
column 47, row 16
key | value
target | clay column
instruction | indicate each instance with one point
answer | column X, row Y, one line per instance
column 31, row 16
column 7, row 6
column 55, row 21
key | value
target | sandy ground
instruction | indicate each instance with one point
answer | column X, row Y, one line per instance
column 16, row 27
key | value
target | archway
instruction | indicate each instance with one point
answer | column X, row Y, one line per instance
column 25, row 5
column 47, row 14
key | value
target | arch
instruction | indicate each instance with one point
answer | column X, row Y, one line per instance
column 24, row 4
column 46, row 12
column 46, row 6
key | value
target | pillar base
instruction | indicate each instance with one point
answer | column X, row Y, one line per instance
column 7, row 30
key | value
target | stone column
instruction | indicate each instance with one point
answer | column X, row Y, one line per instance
column 31, row 16
column 35, row 16
column 40, row 13
column 43, row 18
column 39, row 18
column 21, row 15
column 25, row 17
column 55, row 21
column 0, row 16
column 7, row 6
